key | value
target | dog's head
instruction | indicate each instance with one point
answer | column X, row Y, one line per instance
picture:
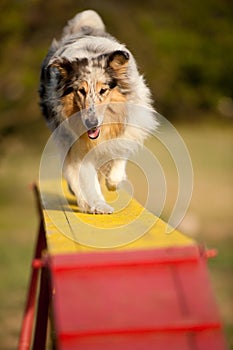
column 89, row 86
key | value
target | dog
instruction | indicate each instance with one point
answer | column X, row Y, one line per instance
column 92, row 79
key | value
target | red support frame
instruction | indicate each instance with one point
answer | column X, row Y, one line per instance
column 30, row 308
column 42, row 307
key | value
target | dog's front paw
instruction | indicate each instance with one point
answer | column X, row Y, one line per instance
column 101, row 207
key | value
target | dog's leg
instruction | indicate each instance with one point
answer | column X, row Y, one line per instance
column 83, row 181
column 117, row 174
column 91, row 190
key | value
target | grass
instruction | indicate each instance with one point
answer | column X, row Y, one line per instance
column 209, row 218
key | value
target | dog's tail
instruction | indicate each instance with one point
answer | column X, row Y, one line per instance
column 84, row 20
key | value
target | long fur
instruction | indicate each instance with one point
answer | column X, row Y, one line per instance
column 91, row 80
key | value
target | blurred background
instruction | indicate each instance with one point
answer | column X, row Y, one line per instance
column 185, row 51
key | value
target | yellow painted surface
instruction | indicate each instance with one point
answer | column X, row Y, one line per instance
column 129, row 227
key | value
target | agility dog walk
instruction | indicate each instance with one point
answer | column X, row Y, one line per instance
column 120, row 281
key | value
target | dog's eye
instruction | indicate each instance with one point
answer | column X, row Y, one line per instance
column 67, row 91
column 102, row 91
column 82, row 91
column 113, row 84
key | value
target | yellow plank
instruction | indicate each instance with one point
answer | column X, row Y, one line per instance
column 129, row 227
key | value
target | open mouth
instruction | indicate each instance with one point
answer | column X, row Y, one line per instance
column 93, row 133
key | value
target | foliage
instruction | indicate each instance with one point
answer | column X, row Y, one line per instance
column 183, row 47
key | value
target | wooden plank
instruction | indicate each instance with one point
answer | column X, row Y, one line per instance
column 129, row 227
column 150, row 290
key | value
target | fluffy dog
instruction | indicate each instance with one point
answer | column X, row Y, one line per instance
column 92, row 79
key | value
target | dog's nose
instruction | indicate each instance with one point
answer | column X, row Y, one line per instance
column 91, row 123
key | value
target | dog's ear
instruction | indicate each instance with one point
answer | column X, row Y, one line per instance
column 63, row 65
column 118, row 61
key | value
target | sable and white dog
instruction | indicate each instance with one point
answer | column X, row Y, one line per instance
column 89, row 75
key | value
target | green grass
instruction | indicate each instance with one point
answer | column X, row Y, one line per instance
column 17, row 234
column 210, row 212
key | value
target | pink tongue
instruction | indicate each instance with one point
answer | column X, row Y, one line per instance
column 93, row 133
